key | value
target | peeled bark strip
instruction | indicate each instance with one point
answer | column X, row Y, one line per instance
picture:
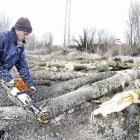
column 68, row 86
column 77, row 67
column 95, row 90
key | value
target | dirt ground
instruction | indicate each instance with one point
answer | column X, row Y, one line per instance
column 74, row 124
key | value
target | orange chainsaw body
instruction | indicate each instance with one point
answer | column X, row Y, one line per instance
column 20, row 85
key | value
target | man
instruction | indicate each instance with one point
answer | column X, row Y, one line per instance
column 12, row 53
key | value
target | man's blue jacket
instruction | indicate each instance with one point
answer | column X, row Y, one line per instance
column 11, row 55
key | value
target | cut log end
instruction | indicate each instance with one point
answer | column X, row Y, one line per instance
column 69, row 66
column 54, row 69
column 45, row 115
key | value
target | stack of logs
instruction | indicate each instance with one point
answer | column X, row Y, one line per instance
column 67, row 84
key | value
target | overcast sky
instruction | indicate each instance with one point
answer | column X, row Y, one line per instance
column 49, row 15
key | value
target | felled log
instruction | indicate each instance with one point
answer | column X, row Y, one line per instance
column 37, row 64
column 77, row 67
column 123, row 65
column 114, row 65
column 129, row 61
column 67, row 101
column 43, row 82
column 97, row 69
column 43, row 75
column 119, row 102
column 55, row 64
column 56, row 75
column 133, row 121
column 40, row 68
column 70, row 85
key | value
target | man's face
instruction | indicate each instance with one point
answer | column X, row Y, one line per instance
column 21, row 35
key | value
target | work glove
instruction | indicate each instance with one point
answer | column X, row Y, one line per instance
column 10, row 84
column 34, row 89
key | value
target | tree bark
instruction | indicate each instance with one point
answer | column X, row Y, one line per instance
column 133, row 121
column 70, row 85
column 37, row 64
column 55, row 64
column 77, row 67
column 43, row 82
column 56, row 75
column 93, row 91
column 123, row 65
column 40, row 68
column 43, row 75
column 115, row 65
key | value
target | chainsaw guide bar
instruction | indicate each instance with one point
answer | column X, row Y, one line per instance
column 22, row 99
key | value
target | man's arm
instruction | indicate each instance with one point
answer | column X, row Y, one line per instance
column 23, row 70
column 4, row 74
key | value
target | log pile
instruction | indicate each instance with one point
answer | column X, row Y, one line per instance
column 64, row 84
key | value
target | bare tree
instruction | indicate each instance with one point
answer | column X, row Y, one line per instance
column 133, row 27
column 31, row 42
column 47, row 40
column 86, row 40
column 104, row 41
column 5, row 22
column 94, row 40
column 100, row 40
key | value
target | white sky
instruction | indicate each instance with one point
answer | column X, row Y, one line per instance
column 49, row 15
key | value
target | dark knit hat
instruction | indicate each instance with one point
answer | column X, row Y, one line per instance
column 23, row 24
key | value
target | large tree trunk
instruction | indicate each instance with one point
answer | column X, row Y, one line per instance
column 56, row 64
column 92, row 91
column 43, row 82
column 56, row 75
column 43, row 75
column 37, row 64
column 68, row 86
column 77, row 67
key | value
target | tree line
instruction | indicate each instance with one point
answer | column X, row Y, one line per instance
column 91, row 39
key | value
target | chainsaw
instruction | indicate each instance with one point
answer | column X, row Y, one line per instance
column 21, row 96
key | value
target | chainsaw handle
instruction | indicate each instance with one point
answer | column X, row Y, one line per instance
column 27, row 92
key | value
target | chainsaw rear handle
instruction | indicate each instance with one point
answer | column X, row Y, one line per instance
column 27, row 92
